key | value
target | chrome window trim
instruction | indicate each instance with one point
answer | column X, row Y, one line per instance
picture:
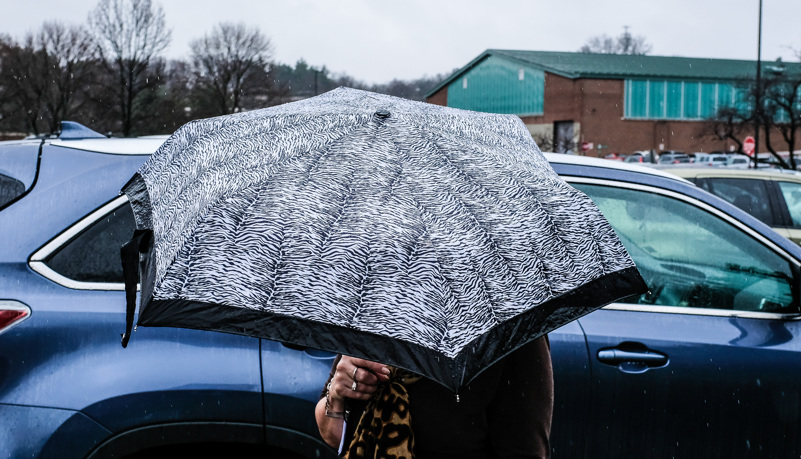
column 701, row 311
column 15, row 306
column 36, row 261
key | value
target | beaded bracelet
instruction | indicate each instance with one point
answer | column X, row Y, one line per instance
column 328, row 412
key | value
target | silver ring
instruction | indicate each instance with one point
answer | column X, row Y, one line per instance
column 353, row 387
column 354, row 373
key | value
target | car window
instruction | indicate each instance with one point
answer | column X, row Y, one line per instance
column 747, row 194
column 791, row 192
column 692, row 258
column 94, row 255
column 18, row 165
column 10, row 189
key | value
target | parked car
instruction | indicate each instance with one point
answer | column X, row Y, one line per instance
column 738, row 162
column 616, row 157
column 635, row 157
column 704, row 365
column 772, row 196
column 713, row 160
column 673, row 158
column 642, row 156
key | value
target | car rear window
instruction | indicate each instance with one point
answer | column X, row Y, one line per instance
column 94, row 254
column 18, row 163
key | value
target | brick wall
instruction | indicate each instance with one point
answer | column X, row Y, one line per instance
column 440, row 97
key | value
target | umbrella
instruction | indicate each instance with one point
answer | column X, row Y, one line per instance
column 430, row 238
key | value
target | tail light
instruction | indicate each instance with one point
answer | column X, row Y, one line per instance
column 12, row 313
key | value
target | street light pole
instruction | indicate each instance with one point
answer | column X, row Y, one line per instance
column 758, row 108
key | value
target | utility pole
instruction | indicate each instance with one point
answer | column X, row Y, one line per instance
column 758, row 108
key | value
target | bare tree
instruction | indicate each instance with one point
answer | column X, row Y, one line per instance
column 129, row 35
column 47, row 75
column 729, row 123
column 21, row 95
column 781, row 92
column 231, row 66
column 412, row 89
column 69, row 72
column 599, row 44
column 624, row 43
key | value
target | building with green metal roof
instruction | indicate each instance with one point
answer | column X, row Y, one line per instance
column 605, row 102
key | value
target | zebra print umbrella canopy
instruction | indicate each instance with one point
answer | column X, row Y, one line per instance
column 430, row 238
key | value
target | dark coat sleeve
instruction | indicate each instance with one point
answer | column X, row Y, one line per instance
column 521, row 411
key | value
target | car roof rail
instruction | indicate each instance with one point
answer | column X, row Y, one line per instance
column 70, row 130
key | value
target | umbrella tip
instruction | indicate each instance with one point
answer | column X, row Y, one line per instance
column 383, row 114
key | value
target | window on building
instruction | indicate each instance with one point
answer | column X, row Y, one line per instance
column 674, row 98
column 680, row 100
column 690, row 99
column 499, row 86
column 656, row 99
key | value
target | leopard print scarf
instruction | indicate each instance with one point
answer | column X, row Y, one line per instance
column 385, row 428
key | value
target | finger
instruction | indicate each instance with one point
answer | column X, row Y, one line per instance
column 378, row 369
column 361, row 395
column 367, row 377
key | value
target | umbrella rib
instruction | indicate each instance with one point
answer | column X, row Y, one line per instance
column 363, row 281
column 245, row 215
column 423, row 209
column 469, row 211
column 502, row 198
column 341, row 211
column 188, row 265
column 274, row 277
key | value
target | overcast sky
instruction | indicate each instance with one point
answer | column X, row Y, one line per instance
column 376, row 40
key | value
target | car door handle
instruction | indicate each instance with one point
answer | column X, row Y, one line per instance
column 644, row 357
column 313, row 353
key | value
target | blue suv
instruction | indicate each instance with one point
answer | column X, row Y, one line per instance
column 706, row 364
column 67, row 387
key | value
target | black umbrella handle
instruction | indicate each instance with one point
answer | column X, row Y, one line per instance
column 130, row 273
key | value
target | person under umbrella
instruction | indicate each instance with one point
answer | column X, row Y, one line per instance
column 368, row 410
column 435, row 240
